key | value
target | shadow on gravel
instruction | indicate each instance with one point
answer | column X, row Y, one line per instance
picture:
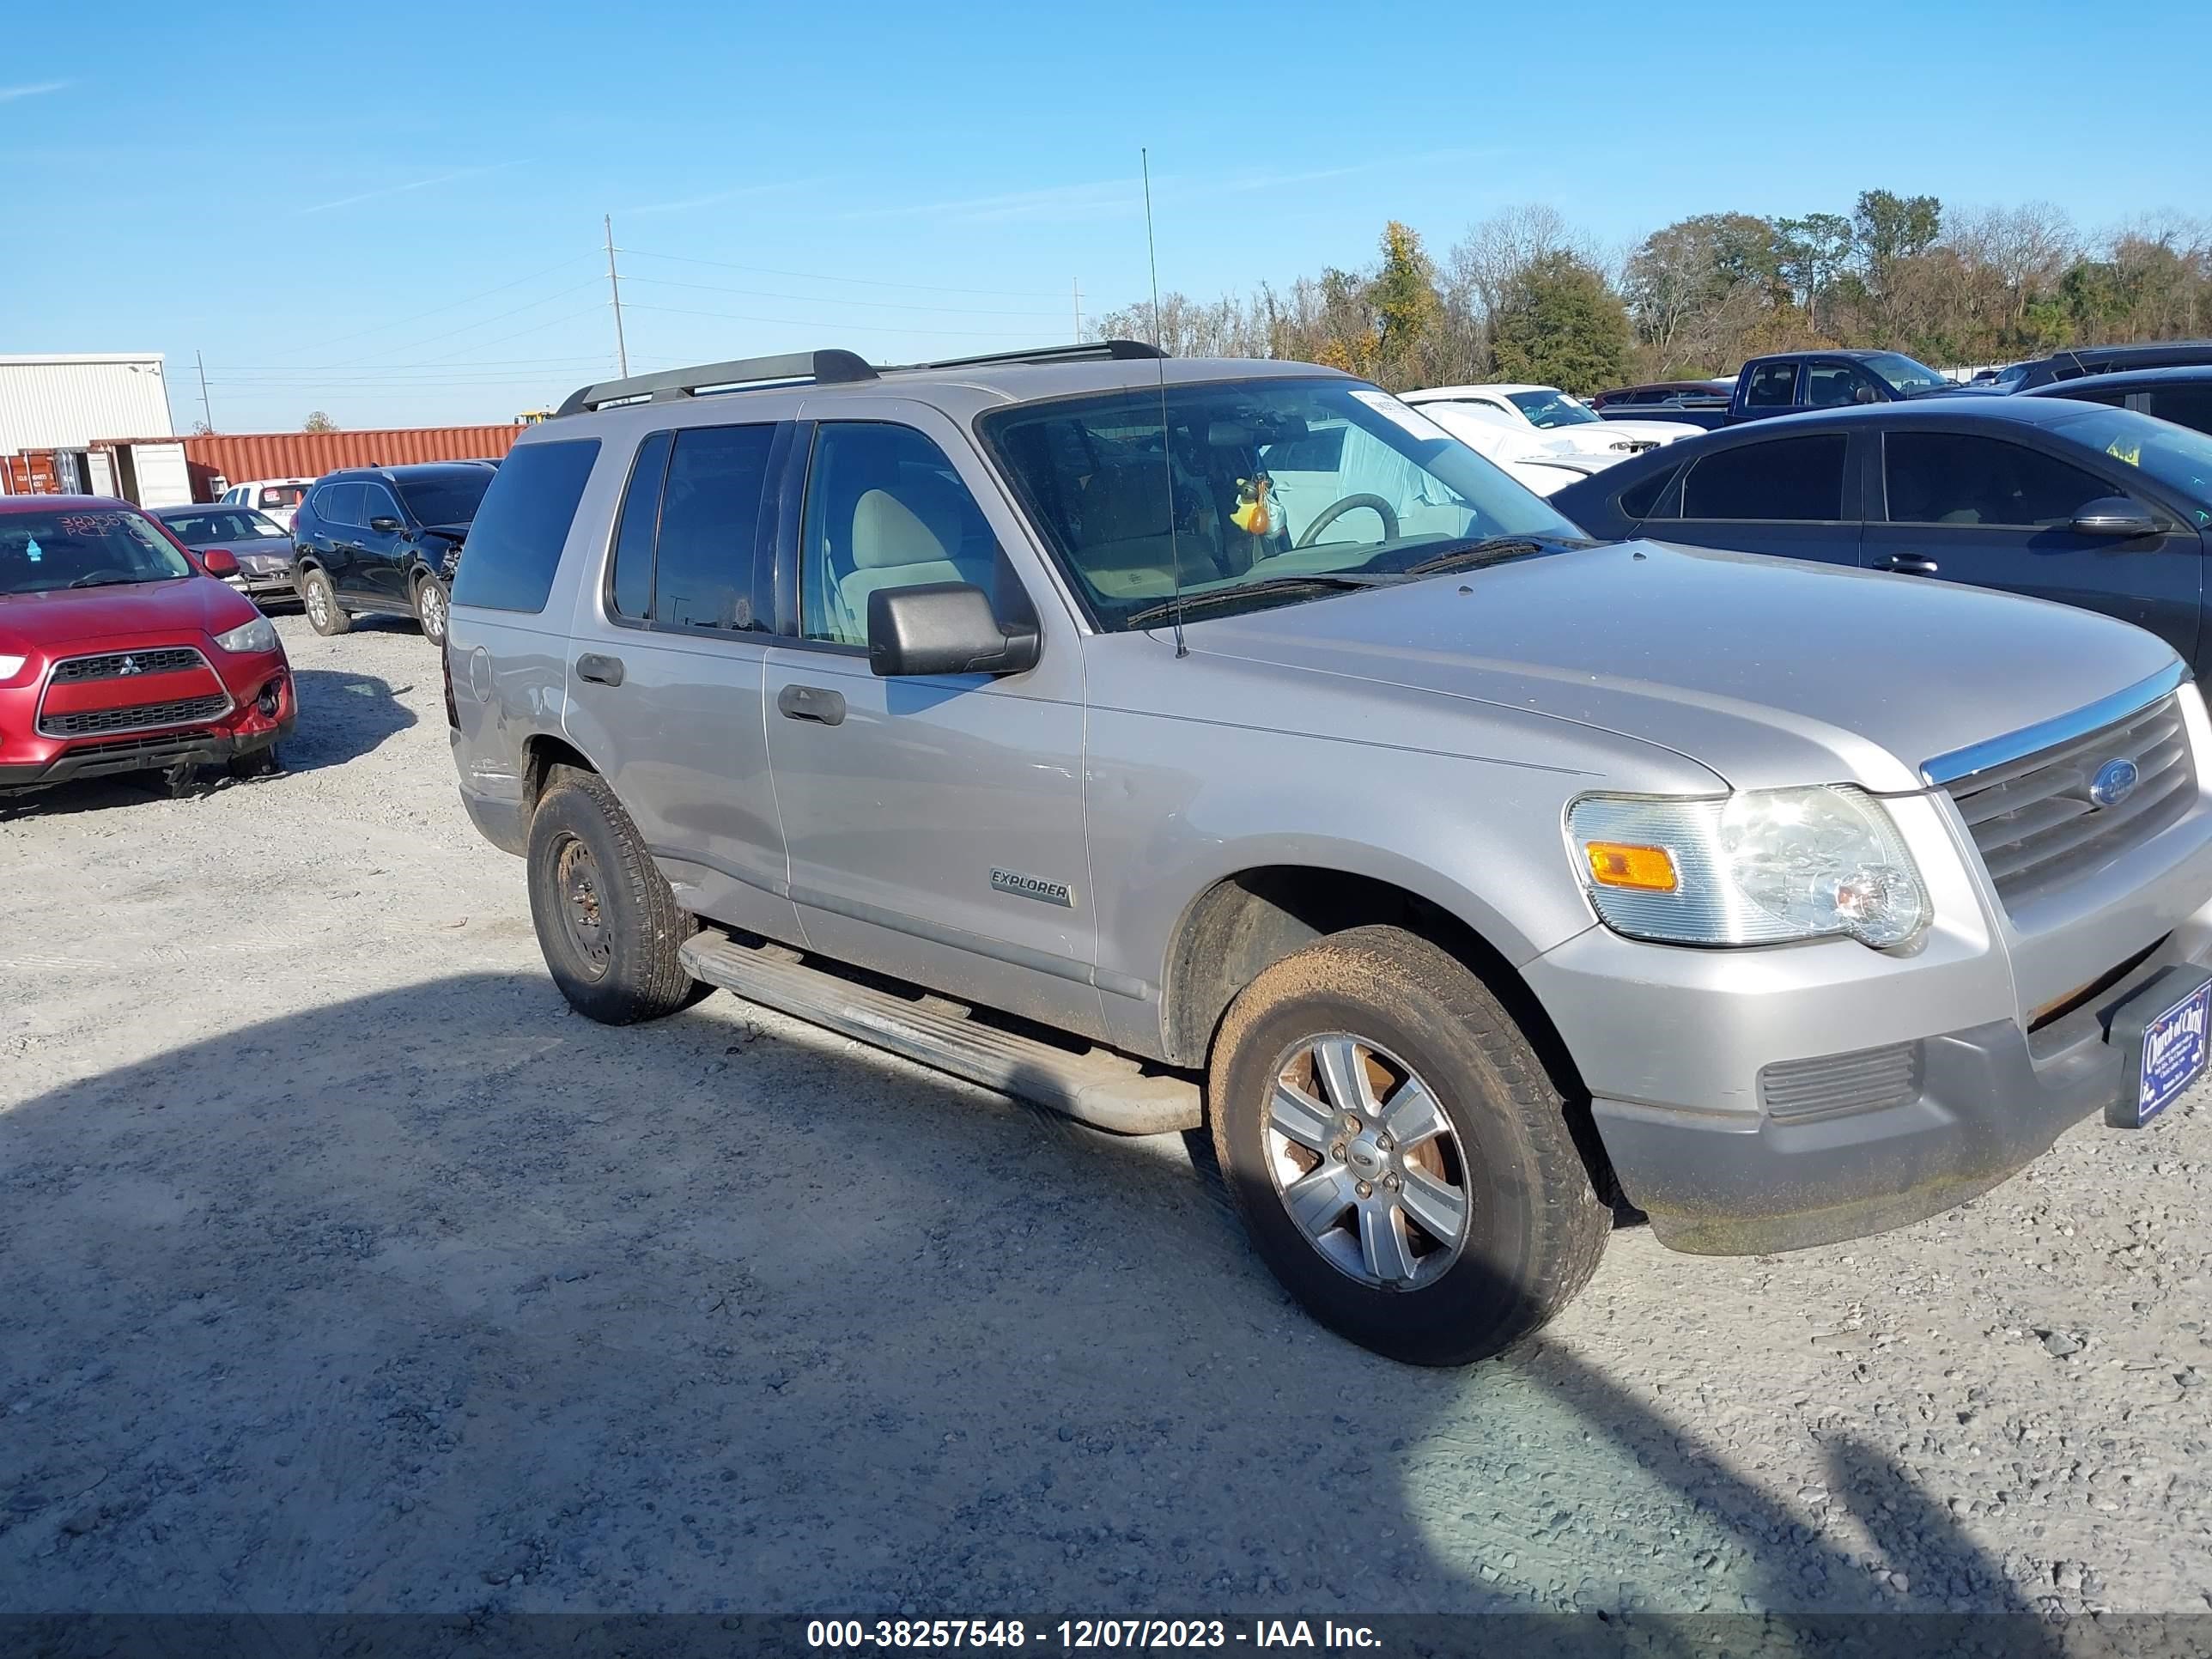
column 444, row 1299
column 343, row 716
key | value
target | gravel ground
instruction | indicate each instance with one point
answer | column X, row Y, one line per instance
column 342, row 1268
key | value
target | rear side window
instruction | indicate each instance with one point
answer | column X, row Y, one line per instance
column 710, row 509
column 514, row 543
column 2183, row 405
column 1638, row 501
column 1773, row 385
column 338, row 503
column 1793, row 479
column 1960, row 478
column 629, row 586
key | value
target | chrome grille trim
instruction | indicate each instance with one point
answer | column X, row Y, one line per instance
column 136, row 717
column 1837, row 1085
column 1960, row 764
column 2032, row 820
column 108, row 665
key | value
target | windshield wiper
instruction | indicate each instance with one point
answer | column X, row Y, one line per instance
column 1325, row 580
column 1492, row 549
column 98, row 580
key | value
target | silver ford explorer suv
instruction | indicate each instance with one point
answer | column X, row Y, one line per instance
column 1189, row 744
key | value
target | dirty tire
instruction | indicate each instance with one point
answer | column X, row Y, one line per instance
column 1535, row 1228
column 580, row 826
column 320, row 601
column 431, row 603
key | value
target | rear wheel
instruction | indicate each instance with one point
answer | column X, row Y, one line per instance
column 430, row 606
column 320, row 600
column 607, row 923
column 1398, row 1151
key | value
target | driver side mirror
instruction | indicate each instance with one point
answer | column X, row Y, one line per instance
column 219, row 562
column 944, row 628
column 2115, row 516
column 384, row 523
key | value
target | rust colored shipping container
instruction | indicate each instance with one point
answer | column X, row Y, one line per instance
column 236, row 457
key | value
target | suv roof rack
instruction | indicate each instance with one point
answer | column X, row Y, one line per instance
column 828, row 367
column 1086, row 352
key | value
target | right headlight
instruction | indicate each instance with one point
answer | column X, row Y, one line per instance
column 1757, row 867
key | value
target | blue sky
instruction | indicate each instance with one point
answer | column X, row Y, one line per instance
column 394, row 216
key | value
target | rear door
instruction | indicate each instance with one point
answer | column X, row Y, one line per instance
column 1796, row 496
column 335, row 538
column 1969, row 507
column 665, row 669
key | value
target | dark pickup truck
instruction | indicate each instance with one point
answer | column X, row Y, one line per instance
column 1791, row 382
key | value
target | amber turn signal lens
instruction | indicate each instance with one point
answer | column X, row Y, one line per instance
column 1646, row 869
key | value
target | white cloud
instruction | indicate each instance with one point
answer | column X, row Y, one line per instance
column 9, row 94
column 721, row 196
column 401, row 190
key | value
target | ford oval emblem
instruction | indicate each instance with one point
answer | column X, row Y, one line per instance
column 2114, row 782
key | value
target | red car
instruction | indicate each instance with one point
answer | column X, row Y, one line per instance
column 121, row 651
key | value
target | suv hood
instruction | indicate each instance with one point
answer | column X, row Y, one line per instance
column 1769, row 671
column 181, row 608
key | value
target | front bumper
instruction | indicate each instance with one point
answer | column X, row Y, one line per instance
column 2005, row 1026
column 265, row 710
column 264, row 584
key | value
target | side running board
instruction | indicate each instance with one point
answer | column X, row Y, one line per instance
column 1099, row 1087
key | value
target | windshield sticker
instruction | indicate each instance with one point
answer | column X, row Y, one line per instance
column 2121, row 450
column 1402, row 415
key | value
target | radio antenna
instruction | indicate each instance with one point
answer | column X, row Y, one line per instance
column 1167, row 457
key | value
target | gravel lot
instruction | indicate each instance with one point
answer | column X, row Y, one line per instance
column 341, row 1267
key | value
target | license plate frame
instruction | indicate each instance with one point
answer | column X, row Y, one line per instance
column 2164, row 1033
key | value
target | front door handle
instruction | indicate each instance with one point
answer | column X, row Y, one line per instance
column 1907, row 564
column 811, row 702
column 601, row 671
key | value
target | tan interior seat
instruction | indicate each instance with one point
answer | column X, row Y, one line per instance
column 896, row 545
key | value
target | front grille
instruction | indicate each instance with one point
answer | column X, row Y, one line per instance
column 139, row 717
column 2033, row 818
column 1835, row 1085
column 124, row 665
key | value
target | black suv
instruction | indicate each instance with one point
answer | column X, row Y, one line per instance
column 387, row 539
column 2077, row 361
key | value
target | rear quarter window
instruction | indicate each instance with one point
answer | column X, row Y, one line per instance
column 513, row 546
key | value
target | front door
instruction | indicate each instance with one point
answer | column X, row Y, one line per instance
column 385, row 549
column 935, row 824
column 1962, row 506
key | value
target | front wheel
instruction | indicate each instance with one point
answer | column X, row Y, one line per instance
column 431, row 602
column 607, row 923
column 1399, row 1154
column 320, row 600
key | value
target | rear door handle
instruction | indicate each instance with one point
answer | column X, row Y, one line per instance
column 601, row 671
column 811, row 702
column 1907, row 564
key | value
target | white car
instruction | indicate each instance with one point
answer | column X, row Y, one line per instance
column 1544, row 421
column 277, row 497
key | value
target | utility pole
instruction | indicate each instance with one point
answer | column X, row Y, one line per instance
column 206, row 413
column 1078, row 310
column 621, row 351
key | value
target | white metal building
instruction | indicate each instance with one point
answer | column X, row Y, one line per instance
column 54, row 405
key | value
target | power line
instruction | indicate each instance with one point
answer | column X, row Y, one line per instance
column 832, row 300
column 864, row 282
column 858, row 328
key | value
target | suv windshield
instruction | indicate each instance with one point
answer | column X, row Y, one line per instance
column 2178, row 457
column 221, row 524
column 83, row 547
column 1906, row 374
column 445, row 498
column 1272, row 479
column 1547, row 408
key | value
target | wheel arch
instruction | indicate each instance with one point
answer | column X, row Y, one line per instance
column 1251, row 919
column 542, row 754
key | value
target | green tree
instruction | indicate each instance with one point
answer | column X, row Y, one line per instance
column 1812, row 252
column 1888, row 227
column 1409, row 313
column 319, row 422
column 1561, row 324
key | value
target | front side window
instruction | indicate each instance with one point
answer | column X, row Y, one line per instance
column 1773, row 385
column 1245, row 483
column 1962, row 479
column 2177, row 456
column 884, row 509
column 1828, row 385
column 1794, row 480
column 90, row 547
column 1547, row 409
column 710, row 509
column 376, row 503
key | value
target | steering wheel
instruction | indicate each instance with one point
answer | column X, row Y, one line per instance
column 1335, row 510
